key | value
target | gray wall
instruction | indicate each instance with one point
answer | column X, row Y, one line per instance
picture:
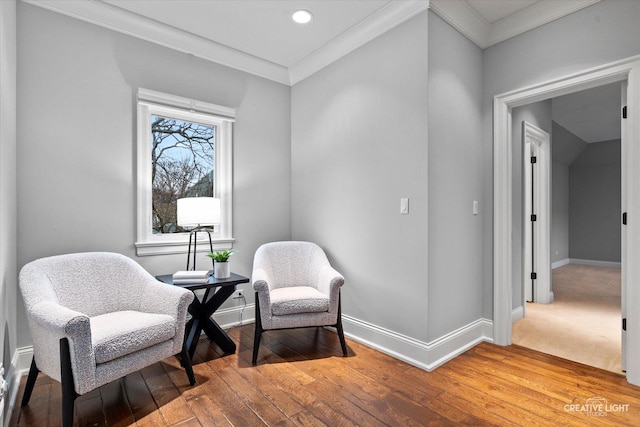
column 559, row 242
column 8, row 285
column 602, row 33
column 358, row 145
column 77, row 127
column 455, row 180
column 565, row 148
column 595, row 203
column 539, row 115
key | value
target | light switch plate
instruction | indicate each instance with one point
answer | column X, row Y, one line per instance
column 404, row 206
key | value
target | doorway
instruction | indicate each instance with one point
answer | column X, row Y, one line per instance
column 582, row 243
column 626, row 70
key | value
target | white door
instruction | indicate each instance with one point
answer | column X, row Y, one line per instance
column 529, row 227
column 623, row 231
column 537, row 215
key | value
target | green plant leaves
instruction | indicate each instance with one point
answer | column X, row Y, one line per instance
column 221, row 256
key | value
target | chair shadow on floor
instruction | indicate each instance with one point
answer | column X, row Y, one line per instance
column 292, row 345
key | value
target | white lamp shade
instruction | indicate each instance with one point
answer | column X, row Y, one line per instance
column 195, row 211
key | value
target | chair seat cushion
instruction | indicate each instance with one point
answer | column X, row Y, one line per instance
column 298, row 299
column 120, row 333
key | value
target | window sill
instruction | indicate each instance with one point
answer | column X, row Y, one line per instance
column 179, row 247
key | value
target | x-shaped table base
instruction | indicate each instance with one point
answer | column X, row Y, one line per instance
column 201, row 312
column 217, row 291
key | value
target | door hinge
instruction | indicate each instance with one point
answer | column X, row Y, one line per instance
column 624, row 112
column 624, row 324
column 624, row 218
column 534, row 218
column 533, row 159
column 534, row 276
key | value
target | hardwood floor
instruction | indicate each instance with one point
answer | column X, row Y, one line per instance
column 302, row 379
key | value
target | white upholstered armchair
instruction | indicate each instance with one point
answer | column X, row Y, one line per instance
column 95, row 317
column 295, row 287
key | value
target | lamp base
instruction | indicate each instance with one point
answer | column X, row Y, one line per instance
column 193, row 237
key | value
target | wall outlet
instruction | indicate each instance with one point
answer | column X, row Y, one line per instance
column 238, row 295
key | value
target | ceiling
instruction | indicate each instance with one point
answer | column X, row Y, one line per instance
column 592, row 115
column 493, row 11
column 259, row 36
column 263, row 29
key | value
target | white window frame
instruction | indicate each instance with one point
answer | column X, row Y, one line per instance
column 157, row 103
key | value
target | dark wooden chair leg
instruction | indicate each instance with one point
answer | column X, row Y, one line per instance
column 258, row 333
column 31, row 382
column 68, row 389
column 343, row 343
column 186, row 363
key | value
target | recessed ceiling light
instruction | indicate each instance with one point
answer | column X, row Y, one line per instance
column 302, row 16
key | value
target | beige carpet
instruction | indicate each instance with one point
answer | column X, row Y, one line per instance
column 583, row 323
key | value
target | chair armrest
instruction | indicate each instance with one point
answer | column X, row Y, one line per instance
column 60, row 320
column 49, row 322
column 260, row 280
column 329, row 281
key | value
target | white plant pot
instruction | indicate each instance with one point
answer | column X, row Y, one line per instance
column 221, row 270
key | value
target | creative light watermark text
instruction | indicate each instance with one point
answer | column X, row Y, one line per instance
column 596, row 407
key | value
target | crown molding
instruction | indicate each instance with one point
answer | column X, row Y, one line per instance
column 388, row 17
column 114, row 18
column 456, row 13
column 534, row 16
column 120, row 20
column 463, row 18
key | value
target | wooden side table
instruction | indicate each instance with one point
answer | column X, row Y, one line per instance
column 217, row 291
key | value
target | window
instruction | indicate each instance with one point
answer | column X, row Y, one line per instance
column 184, row 150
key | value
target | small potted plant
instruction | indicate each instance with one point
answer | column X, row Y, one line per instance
column 221, row 269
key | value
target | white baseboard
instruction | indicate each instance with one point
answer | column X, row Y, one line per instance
column 585, row 262
column 235, row 316
column 517, row 314
column 427, row 356
column 560, row 263
column 20, row 364
column 596, row 263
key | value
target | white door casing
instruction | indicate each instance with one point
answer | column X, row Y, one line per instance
column 624, row 70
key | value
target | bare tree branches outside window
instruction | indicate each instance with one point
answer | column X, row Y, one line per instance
column 182, row 159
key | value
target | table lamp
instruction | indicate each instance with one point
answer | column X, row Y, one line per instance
column 200, row 214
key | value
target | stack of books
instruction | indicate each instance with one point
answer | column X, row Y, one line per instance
column 189, row 277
